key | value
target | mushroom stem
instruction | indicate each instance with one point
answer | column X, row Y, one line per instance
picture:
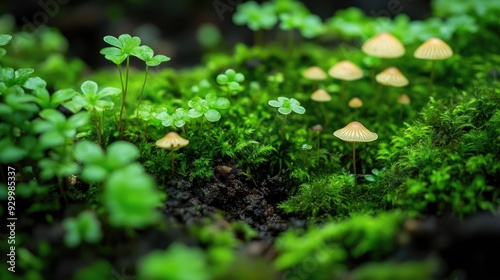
column 354, row 159
column 432, row 77
column 172, row 160
column 342, row 89
column 324, row 113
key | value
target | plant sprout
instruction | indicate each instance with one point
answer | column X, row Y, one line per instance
column 231, row 80
column 94, row 101
column 285, row 107
column 146, row 54
column 122, row 48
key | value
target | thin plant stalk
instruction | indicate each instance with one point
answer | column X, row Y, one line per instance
column 283, row 127
column 172, row 160
column 142, row 89
column 354, row 159
column 124, row 92
column 324, row 112
column 95, row 117
column 433, row 62
column 342, row 91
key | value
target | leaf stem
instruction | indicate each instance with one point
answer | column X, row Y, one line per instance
column 142, row 89
column 125, row 88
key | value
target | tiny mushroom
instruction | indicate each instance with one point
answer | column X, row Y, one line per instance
column 355, row 103
column 321, row 96
column 433, row 49
column 383, row 45
column 403, row 99
column 345, row 71
column 355, row 132
column 172, row 141
column 314, row 73
column 391, row 77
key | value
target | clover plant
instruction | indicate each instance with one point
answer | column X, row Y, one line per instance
column 131, row 197
column 178, row 119
column 231, row 80
column 86, row 227
column 97, row 165
column 146, row 54
column 95, row 101
column 256, row 17
column 285, row 107
column 4, row 40
column 122, row 48
column 208, row 107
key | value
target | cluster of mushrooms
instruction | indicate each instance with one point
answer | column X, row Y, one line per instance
column 385, row 46
column 382, row 45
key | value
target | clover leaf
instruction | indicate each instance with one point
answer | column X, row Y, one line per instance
column 255, row 16
column 146, row 54
column 207, row 107
column 92, row 99
column 123, row 47
column 231, row 79
column 177, row 119
column 287, row 105
column 97, row 166
column 4, row 40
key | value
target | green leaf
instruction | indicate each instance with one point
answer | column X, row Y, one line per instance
column 370, row 178
column 112, row 41
column 108, row 91
column 87, row 152
column 284, row 111
column 9, row 153
column 89, row 87
column 298, row 109
column 94, row 173
column 113, row 54
column 274, row 103
column 212, row 115
column 62, row 95
column 78, row 119
column 35, row 83
column 51, row 139
column 194, row 113
column 5, row 39
column 123, row 152
column 53, row 115
column 144, row 53
column 23, row 73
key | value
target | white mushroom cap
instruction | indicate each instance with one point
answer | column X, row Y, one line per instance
column 392, row 77
column 321, row 95
column 383, row 45
column 314, row 73
column 433, row 49
column 355, row 132
column 171, row 141
column 345, row 70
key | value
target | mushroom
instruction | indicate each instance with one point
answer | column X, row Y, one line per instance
column 433, row 49
column 345, row 71
column 314, row 73
column 171, row 141
column 391, row 77
column 383, row 45
column 318, row 128
column 404, row 100
column 355, row 103
column 321, row 96
column 355, row 132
